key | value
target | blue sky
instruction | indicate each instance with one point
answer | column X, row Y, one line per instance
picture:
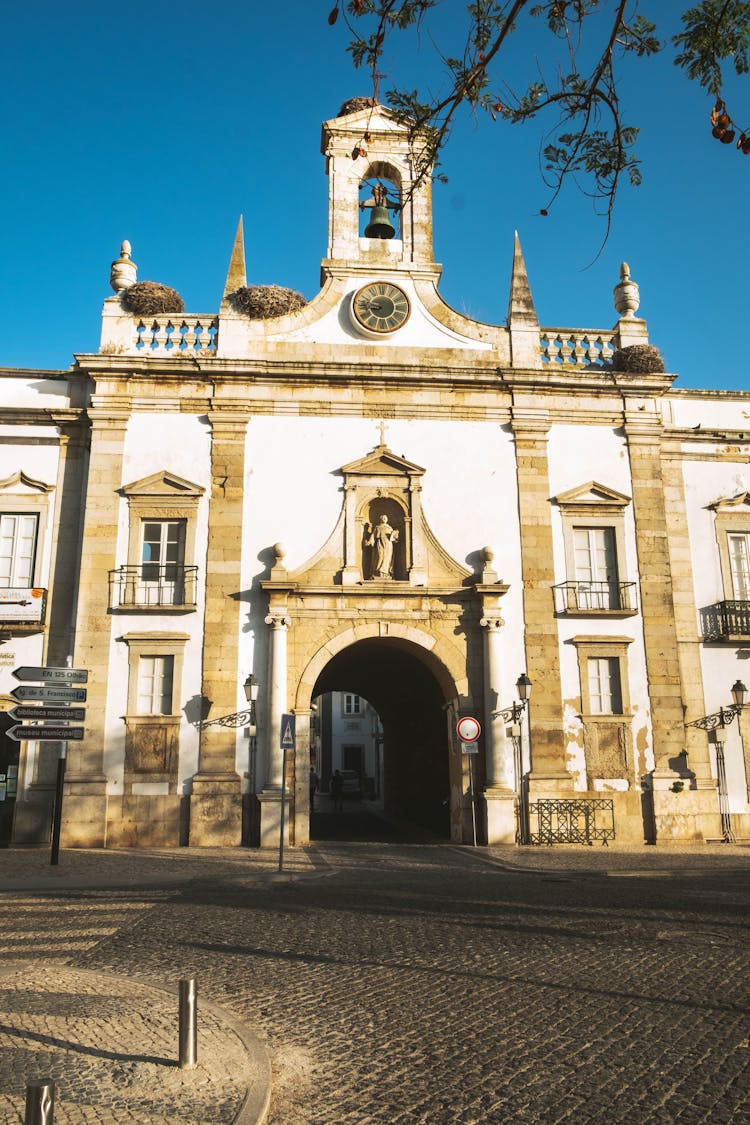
column 162, row 123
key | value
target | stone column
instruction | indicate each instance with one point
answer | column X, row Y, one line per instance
column 33, row 817
column 85, row 807
column 270, row 798
column 277, row 695
column 498, row 752
column 352, row 573
column 216, row 800
column 668, row 610
column 549, row 776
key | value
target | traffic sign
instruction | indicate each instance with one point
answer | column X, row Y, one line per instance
column 469, row 748
column 44, row 734
column 468, row 729
column 51, row 693
column 52, row 675
column 287, row 732
column 69, row 714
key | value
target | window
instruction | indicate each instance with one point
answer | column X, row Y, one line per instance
column 162, row 562
column 738, row 543
column 17, row 549
column 155, row 679
column 603, row 670
column 605, row 695
column 160, row 573
column 352, row 705
column 596, row 567
column 593, row 525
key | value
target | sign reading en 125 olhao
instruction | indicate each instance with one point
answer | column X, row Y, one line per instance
column 53, row 675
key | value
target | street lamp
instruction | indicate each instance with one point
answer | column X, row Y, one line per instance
column 717, row 722
column 513, row 715
column 238, row 718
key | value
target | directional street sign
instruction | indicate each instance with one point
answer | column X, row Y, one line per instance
column 287, row 732
column 68, row 714
column 44, row 734
column 50, row 693
column 53, row 675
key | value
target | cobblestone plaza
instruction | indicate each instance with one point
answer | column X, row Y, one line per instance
column 389, row 982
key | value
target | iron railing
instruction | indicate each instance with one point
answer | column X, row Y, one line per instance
column 596, row 597
column 573, row 821
column 149, row 585
column 726, row 619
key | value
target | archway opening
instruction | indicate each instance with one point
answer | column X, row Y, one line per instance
column 407, row 700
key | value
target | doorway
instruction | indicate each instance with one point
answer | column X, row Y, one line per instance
column 395, row 679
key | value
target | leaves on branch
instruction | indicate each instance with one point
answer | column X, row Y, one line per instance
column 587, row 139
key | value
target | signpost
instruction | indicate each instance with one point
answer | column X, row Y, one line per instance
column 468, row 730
column 287, row 743
column 54, row 689
column 51, row 693
column 39, row 714
column 42, row 733
column 52, row 675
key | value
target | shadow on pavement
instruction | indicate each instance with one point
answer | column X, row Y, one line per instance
column 365, row 822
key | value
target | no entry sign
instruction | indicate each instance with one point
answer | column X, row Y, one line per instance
column 468, row 729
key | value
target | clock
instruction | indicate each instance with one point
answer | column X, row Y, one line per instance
column 379, row 308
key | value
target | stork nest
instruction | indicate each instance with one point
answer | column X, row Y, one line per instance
column 150, row 298
column 638, row 359
column 353, row 105
column 261, row 302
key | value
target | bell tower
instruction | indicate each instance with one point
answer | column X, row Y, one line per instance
column 370, row 154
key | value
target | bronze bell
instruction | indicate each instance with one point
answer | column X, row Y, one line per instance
column 380, row 225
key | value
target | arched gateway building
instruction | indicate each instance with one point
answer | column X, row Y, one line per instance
column 372, row 494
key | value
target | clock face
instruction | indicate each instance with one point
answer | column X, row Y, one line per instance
column 380, row 307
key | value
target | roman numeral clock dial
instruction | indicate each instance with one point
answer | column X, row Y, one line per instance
column 380, row 307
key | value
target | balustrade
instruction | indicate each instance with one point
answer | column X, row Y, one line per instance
column 566, row 347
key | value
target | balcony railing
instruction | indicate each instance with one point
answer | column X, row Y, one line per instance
column 150, row 586
column 595, row 597
column 726, row 620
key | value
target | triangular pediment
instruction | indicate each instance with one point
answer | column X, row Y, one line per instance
column 20, row 482
column 739, row 502
column 162, row 484
column 382, row 462
column 371, row 118
column 592, row 494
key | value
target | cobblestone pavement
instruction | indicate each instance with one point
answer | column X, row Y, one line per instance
column 421, row 983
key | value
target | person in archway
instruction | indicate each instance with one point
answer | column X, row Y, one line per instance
column 337, row 791
column 313, row 787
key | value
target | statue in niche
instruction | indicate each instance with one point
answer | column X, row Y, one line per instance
column 382, row 538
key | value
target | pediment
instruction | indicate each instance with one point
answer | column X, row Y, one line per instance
column 20, row 482
column 371, row 118
column 382, row 462
column 738, row 503
column 162, row 484
column 592, row 494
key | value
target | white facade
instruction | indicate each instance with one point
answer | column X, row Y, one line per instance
column 204, row 492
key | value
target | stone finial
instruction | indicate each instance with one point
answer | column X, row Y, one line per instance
column 627, row 295
column 488, row 573
column 236, row 274
column 123, row 272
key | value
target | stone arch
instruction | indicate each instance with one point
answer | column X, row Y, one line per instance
column 446, row 662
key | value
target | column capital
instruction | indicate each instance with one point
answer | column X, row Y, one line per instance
column 278, row 620
column 492, row 624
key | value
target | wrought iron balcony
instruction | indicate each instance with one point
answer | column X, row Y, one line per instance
column 725, row 621
column 595, row 597
column 150, row 586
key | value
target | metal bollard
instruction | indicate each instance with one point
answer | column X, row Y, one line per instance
column 40, row 1102
column 188, row 1023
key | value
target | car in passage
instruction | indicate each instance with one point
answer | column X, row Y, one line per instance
column 351, row 784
